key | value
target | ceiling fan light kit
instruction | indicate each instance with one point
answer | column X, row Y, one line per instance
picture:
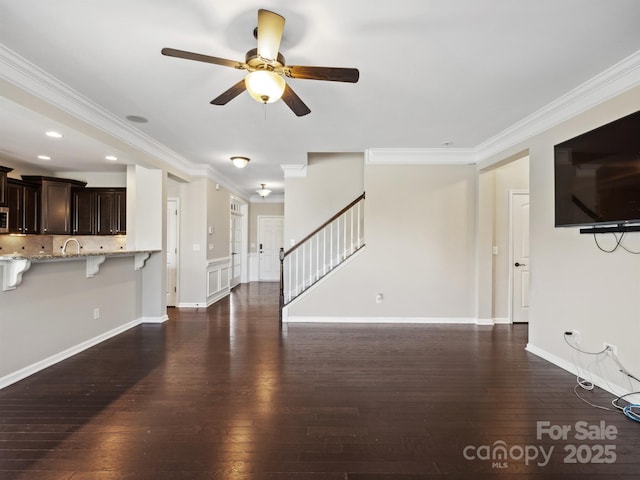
column 240, row 162
column 265, row 86
column 266, row 66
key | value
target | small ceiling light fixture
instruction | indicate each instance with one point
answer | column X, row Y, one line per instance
column 240, row 162
column 53, row 134
column 111, row 158
column 44, row 157
column 263, row 192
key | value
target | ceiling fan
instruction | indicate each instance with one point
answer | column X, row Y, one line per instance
column 267, row 68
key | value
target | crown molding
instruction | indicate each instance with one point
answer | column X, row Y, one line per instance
column 294, row 171
column 610, row 83
column 419, row 156
column 207, row 171
column 614, row 81
column 35, row 81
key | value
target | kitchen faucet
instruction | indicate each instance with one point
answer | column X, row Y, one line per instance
column 64, row 246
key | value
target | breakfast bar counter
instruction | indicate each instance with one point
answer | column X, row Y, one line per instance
column 14, row 265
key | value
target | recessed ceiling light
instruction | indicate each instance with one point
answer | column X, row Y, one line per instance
column 111, row 158
column 44, row 157
column 53, row 134
column 136, row 119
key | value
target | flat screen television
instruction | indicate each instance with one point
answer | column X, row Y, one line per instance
column 597, row 176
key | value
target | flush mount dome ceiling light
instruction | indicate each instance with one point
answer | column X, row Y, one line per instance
column 262, row 191
column 267, row 68
column 240, row 162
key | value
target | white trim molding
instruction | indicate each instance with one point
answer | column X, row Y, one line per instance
column 218, row 279
column 617, row 79
column 294, row 171
column 160, row 319
column 69, row 352
column 35, row 81
column 596, row 379
column 420, row 156
column 614, row 81
column 394, row 320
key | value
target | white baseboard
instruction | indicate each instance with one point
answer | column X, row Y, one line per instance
column 161, row 319
column 218, row 296
column 396, row 320
column 69, row 352
column 571, row 368
column 501, row 321
column 485, row 321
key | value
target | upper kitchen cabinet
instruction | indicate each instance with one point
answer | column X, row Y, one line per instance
column 24, row 207
column 111, row 210
column 99, row 211
column 55, row 203
column 3, row 185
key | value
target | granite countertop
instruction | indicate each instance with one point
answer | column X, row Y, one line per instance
column 34, row 257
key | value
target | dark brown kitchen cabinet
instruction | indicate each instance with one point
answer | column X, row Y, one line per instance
column 55, row 203
column 111, row 211
column 83, row 216
column 3, row 185
column 24, row 207
column 120, row 219
column 99, row 211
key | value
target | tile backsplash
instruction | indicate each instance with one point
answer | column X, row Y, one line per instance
column 33, row 244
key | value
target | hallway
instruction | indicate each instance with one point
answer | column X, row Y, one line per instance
column 224, row 393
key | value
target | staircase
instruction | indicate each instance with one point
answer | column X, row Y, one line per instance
column 310, row 260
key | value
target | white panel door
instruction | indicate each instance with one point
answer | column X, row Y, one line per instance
column 270, row 240
column 236, row 249
column 172, row 252
column 520, row 256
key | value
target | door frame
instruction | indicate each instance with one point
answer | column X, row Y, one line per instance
column 512, row 194
column 177, row 201
column 259, row 217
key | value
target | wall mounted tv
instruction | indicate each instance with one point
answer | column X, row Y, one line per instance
column 597, row 177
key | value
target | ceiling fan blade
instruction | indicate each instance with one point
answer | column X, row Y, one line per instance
column 331, row 74
column 293, row 101
column 270, row 28
column 172, row 52
column 230, row 94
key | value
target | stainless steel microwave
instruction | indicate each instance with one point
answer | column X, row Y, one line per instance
column 4, row 220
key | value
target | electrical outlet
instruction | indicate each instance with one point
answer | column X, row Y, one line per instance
column 96, row 314
column 612, row 348
column 379, row 298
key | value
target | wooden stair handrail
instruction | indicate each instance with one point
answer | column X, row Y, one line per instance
column 337, row 215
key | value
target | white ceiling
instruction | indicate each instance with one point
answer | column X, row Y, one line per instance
column 431, row 71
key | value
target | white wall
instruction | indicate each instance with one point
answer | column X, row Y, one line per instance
column 333, row 180
column 575, row 286
column 193, row 241
column 420, row 249
column 52, row 311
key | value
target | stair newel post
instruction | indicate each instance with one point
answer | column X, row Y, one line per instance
column 281, row 283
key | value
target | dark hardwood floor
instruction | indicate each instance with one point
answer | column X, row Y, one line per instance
column 223, row 393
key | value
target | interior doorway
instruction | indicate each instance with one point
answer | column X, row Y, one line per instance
column 270, row 240
column 235, row 249
column 172, row 251
column 519, row 256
